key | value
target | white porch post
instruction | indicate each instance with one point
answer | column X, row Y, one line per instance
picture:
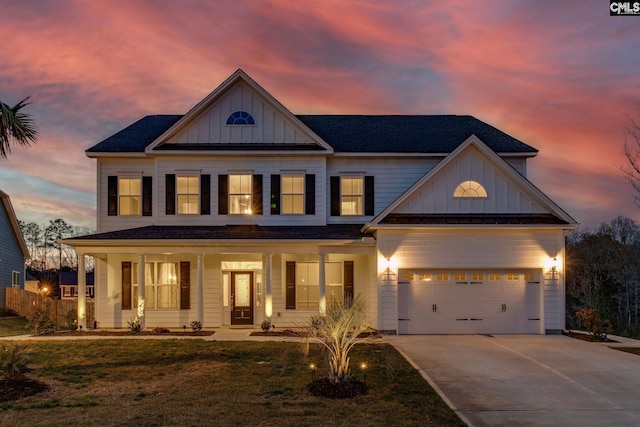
column 268, row 298
column 200, row 290
column 322, row 289
column 82, row 293
column 141, row 289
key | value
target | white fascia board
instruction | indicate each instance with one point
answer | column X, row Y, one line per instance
column 116, row 154
column 470, row 226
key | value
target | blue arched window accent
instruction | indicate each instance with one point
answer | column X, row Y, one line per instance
column 240, row 118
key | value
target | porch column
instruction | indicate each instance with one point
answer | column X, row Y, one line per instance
column 322, row 289
column 82, row 293
column 141, row 289
column 200, row 290
column 268, row 298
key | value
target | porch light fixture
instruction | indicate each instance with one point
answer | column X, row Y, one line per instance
column 390, row 265
column 364, row 371
column 312, row 369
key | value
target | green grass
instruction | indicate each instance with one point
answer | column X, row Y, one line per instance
column 197, row 382
column 13, row 326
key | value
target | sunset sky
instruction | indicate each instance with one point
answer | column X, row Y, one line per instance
column 562, row 76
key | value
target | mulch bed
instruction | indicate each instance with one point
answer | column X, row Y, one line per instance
column 300, row 333
column 325, row 388
column 127, row 333
column 586, row 337
column 20, row 386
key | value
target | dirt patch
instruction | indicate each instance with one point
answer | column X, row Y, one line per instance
column 20, row 386
column 325, row 388
column 587, row 337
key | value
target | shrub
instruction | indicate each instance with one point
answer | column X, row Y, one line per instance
column 13, row 360
column 71, row 319
column 337, row 330
column 266, row 325
column 594, row 324
column 196, row 326
column 159, row 330
column 40, row 322
column 7, row 312
column 135, row 325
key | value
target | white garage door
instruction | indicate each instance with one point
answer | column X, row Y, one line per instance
column 468, row 302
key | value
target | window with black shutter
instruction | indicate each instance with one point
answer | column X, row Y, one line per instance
column 291, row 285
column 185, row 285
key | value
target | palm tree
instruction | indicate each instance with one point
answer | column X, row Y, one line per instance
column 16, row 127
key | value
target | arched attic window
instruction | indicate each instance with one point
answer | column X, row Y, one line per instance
column 470, row 189
column 241, row 118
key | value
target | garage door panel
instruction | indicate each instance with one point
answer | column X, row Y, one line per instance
column 481, row 307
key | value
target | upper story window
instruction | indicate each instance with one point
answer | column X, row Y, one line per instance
column 240, row 192
column 240, row 118
column 470, row 189
column 351, row 195
column 129, row 196
column 188, row 194
column 292, row 194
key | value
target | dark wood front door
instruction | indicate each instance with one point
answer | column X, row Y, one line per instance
column 242, row 298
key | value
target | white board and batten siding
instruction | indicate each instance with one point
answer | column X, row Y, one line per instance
column 271, row 125
column 504, row 195
column 493, row 249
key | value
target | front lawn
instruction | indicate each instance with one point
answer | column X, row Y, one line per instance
column 197, row 382
column 11, row 326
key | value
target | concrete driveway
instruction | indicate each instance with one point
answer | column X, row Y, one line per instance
column 529, row 380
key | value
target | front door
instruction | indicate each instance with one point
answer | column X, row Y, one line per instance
column 241, row 298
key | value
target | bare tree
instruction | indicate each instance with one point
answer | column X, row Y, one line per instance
column 631, row 171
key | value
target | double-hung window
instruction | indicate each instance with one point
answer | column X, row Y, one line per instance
column 129, row 196
column 240, row 192
column 15, row 279
column 351, row 195
column 292, row 194
column 188, row 194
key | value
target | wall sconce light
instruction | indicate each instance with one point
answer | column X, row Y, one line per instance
column 312, row 369
column 390, row 265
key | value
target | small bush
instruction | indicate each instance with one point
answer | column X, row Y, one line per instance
column 196, row 326
column 7, row 312
column 71, row 319
column 593, row 322
column 135, row 325
column 159, row 330
column 266, row 325
column 13, row 360
column 40, row 322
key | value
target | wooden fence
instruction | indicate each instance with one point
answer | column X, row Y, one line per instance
column 60, row 310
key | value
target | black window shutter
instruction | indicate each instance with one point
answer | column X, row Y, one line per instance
column 170, row 194
column 275, row 194
column 256, row 199
column 185, row 285
column 205, row 194
column 310, row 194
column 223, row 194
column 126, row 285
column 348, row 283
column 291, row 285
column 147, row 196
column 112, row 195
column 368, row 196
column 335, row 195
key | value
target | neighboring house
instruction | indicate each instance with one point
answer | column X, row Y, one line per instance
column 31, row 284
column 13, row 249
column 240, row 211
column 69, row 284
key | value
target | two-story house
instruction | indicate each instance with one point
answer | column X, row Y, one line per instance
column 240, row 211
column 13, row 249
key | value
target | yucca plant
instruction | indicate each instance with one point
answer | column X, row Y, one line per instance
column 337, row 330
column 13, row 360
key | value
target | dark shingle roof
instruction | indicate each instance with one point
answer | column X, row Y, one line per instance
column 408, row 134
column 345, row 133
column 135, row 138
column 233, row 232
column 472, row 219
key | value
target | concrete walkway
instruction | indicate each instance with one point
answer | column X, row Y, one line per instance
column 530, row 380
